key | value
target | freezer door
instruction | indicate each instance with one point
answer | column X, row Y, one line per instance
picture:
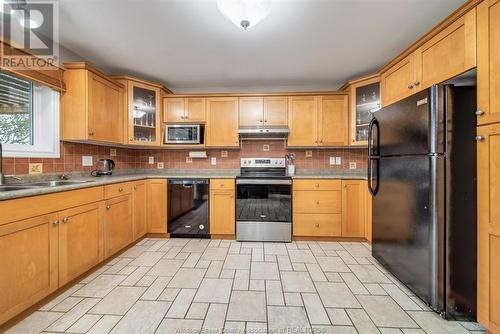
column 406, row 216
column 411, row 126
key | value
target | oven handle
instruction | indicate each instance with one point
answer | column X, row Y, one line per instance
column 262, row 181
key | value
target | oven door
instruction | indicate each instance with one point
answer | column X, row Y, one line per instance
column 183, row 134
column 264, row 210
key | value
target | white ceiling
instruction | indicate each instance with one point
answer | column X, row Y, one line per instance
column 189, row 46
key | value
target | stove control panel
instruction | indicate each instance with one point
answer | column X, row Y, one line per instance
column 263, row 162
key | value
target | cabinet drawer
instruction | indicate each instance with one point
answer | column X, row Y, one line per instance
column 117, row 189
column 221, row 184
column 316, row 185
column 317, row 225
column 317, row 202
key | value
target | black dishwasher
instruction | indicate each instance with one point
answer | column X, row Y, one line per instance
column 188, row 215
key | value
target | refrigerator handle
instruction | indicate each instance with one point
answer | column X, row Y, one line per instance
column 371, row 158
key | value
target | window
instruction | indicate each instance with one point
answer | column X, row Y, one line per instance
column 29, row 118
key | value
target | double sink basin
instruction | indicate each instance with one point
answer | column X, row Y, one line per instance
column 43, row 184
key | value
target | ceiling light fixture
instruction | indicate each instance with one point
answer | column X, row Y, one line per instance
column 244, row 13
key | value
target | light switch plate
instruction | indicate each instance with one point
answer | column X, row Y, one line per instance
column 160, row 165
column 332, row 161
column 151, row 160
column 189, row 160
column 223, row 154
column 87, row 160
column 35, row 168
column 352, row 165
column 213, row 161
column 265, row 148
column 338, row 160
column 309, row 154
column 112, row 152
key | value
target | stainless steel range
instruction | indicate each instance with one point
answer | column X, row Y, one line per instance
column 264, row 201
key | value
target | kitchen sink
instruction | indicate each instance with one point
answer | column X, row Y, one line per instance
column 57, row 183
column 13, row 188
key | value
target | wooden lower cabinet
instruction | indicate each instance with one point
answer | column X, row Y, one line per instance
column 354, row 197
column 331, row 208
column 488, row 218
column 118, row 230
column 222, row 208
column 317, row 225
column 139, row 205
column 157, row 206
column 80, row 240
column 29, row 261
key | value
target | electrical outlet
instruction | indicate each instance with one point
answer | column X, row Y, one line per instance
column 189, row 160
column 223, row 154
column 332, row 161
column 265, row 148
column 112, row 152
column 160, row 165
column 352, row 165
column 213, row 161
column 338, row 161
column 87, row 160
column 35, row 168
column 151, row 160
column 309, row 154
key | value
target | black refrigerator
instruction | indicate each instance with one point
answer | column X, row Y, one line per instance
column 422, row 176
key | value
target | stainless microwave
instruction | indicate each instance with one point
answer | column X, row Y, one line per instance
column 184, row 134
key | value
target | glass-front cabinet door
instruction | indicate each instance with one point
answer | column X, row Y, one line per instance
column 143, row 101
column 144, row 125
column 365, row 101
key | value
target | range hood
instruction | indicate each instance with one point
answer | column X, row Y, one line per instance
column 257, row 133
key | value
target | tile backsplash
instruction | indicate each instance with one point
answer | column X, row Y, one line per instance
column 127, row 158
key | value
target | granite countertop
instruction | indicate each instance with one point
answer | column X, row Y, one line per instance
column 133, row 175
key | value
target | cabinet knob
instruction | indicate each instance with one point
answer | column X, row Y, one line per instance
column 131, row 139
column 410, row 86
column 265, row 121
column 108, row 207
column 222, row 185
column 55, row 222
column 261, row 121
column 479, row 138
column 91, row 133
column 316, row 141
column 416, row 83
column 321, row 142
column 317, row 202
column 120, row 190
column 317, row 185
column 316, row 225
column 65, row 220
column 135, row 187
column 479, row 113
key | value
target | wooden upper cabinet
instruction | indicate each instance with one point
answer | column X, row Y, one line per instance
column 398, row 81
column 449, row 53
column 251, row 111
column 333, row 128
column 80, row 241
column 488, row 218
column 488, row 62
column 184, row 110
column 275, row 111
column 143, row 112
column 222, row 126
column 303, row 121
column 92, row 106
column 29, row 263
column 173, row 109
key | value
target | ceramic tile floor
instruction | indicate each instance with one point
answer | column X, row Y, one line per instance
column 186, row 286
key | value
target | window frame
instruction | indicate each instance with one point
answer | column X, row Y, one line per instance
column 45, row 114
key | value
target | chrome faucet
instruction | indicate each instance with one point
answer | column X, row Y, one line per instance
column 2, row 177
